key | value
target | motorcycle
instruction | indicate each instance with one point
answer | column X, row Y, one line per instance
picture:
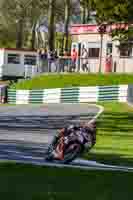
column 70, row 143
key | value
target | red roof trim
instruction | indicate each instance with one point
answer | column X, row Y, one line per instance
column 93, row 28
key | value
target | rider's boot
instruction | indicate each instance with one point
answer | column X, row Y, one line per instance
column 57, row 155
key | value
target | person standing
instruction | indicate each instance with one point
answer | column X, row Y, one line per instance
column 108, row 64
column 49, row 60
column 56, row 62
column 40, row 59
column 44, row 57
column 84, row 58
column 74, row 56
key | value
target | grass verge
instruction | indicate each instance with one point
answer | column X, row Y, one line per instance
column 25, row 182
column 114, row 136
column 73, row 80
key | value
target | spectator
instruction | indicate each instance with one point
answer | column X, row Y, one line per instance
column 74, row 56
column 55, row 54
column 56, row 62
column 51, row 61
column 40, row 59
column 84, row 59
column 45, row 54
column 66, row 62
column 65, row 53
column 108, row 64
column 44, row 60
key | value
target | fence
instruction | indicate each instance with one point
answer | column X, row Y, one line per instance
column 130, row 94
column 69, row 95
column 89, row 65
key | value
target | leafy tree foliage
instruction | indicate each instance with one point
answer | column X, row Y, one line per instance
column 19, row 18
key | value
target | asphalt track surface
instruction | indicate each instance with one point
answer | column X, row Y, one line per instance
column 51, row 116
column 26, row 131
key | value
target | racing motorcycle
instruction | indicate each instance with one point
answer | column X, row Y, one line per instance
column 71, row 142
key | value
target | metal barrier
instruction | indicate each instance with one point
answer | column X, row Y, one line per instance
column 130, row 93
column 88, row 65
column 93, row 94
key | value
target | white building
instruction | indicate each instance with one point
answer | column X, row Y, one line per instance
column 87, row 35
column 14, row 62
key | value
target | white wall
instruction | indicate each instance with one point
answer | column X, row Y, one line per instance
column 94, row 40
column 124, row 65
column 14, row 69
column 1, row 62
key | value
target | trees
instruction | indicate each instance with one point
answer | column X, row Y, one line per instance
column 86, row 7
column 15, row 14
column 66, row 22
column 111, row 11
column 51, row 18
column 36, row 10
column 19, row 17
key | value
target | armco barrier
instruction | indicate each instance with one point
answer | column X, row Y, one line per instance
column 69, row 95
column 130, row 94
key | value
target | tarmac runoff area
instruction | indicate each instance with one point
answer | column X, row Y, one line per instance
column 30, row 124
column 26, row 131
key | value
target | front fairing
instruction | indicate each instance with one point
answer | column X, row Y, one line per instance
column 76, row 136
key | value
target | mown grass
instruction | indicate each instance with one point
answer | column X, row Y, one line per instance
column 73, row 80
column 25, row 182
column 114, row 135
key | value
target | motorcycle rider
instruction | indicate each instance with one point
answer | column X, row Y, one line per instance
column 84, row 132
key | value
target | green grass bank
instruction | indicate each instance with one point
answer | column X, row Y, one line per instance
column 73, row 80
column 114, row 135
column 25, row 182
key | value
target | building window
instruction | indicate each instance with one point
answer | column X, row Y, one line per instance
column 29, row 60
column 125, row 52
column 13, row 59
column 125, row 49
column 109, row 48
column 93, row 52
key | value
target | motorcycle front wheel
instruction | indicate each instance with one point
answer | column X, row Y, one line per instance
column 72, row 151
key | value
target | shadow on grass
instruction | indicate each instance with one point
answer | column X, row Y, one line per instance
column 110, row 159
column 116, row 122
column 117, row 127
column 25, row 182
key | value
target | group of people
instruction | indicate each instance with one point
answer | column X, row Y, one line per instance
column 83, row 58
column 46, row 58
column 50, row 60
column 45, row 54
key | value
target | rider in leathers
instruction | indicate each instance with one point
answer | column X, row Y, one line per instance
column 84, row 131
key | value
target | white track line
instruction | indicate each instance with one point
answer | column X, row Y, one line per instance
column 101, row 109
column 129, row 104
column 100, row 168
